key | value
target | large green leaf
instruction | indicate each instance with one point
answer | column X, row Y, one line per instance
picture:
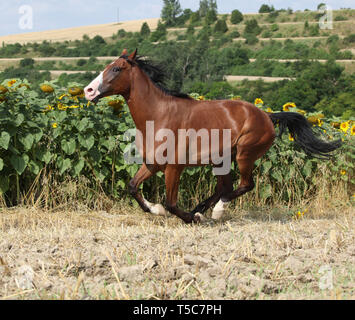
column 19, row 119
column 266, row 166
column 38, row 136
column 277, row 175
column 63, row 164
column 266, row 191
column 86, row 141
column 4, row 183
column 68, row 146
column 44, row 155
column 307, row 168
column 19, row 163
column 1, row 164
column 34, row 167
column 27, row 141
column 82, row 124
column 4, row 140
column 78, row 166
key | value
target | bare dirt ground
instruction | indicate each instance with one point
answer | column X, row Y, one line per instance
column 254, row 78
column 127, row 254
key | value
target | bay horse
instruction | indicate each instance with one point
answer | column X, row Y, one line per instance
column 252, row 132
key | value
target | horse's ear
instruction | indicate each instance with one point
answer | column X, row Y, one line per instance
column 133, row 55
column 124, row 52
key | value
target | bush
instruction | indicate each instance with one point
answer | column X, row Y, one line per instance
column 266, row 34
column 121, row 33
column 265, row 8
column 98, row 40
column 252, row 27
column 234, row 34
column 340, row 18
column 251, row 39
column 27, row 63
column 349, row 39
column 221, row 26
column 236, row 17
column 145, row 30
column 274, row 27
column 81, row 62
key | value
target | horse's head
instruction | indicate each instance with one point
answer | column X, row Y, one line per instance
column 115, row 79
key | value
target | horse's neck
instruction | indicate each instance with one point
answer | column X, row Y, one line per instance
column 145, row 99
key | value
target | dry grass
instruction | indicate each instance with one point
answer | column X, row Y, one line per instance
column 104, row 30
column 128, row 254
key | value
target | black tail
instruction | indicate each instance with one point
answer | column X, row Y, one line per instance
column 301, row 130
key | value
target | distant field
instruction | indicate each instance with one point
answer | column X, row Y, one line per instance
column 104, row 30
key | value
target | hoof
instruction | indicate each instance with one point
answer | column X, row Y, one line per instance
column 218, row 210
column 158, row 210
column 201, row 208
column 198, row 218
column 216, row 215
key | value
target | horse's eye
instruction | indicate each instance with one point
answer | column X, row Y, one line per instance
column 116, row 69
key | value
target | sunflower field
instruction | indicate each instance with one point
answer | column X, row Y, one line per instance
column 51, row 137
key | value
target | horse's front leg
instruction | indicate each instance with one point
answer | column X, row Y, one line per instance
column 144, row 173
column 172, row 180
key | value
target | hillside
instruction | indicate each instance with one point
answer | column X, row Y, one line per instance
column 72, row 34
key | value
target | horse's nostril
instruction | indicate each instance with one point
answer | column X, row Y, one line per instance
column 90, row 90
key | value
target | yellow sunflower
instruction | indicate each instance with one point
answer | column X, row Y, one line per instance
column 258, row 101
column 352, row 131
column 342, row 172
column 288, row 105
column 269, row 110
column 313, row 119
column 11, row 83
column 335, row 125
column 55, row 125
column 46, row 88
column 3, row 89
column 290, row 137
column 201, row 98
column 344, row 126
column 48, row 108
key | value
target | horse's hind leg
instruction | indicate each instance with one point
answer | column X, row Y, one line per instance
column 246, row 184
column 143, row 174
column 224, row 185
column 247, row 154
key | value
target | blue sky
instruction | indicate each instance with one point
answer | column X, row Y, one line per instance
column 51, row 14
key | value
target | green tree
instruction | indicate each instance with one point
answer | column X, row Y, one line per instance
column 236, row 17
column 206, row 6
column 145, row 30
column 195, row 17
column 159, row 33
column 211, row 17
column 265, row 8
column 221, row 26
column 252, row 28
column 27, row 63
column 171, row 10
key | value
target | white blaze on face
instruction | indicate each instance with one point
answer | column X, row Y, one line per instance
column 92, row 90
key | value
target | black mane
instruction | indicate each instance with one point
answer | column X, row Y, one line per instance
column 156, row 74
